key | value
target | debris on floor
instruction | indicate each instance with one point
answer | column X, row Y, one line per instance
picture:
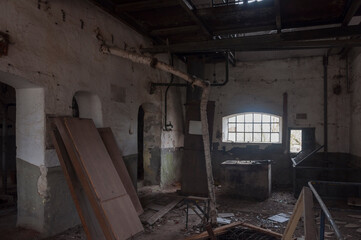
column 225, row 215
column 251, row 214
column 223, row 221
column 280, row 218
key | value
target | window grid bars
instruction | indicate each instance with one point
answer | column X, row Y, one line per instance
column 253, row 132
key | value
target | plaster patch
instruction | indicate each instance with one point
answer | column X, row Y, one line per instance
column 43, row 183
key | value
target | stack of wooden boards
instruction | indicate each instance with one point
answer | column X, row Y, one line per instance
column 99, row 182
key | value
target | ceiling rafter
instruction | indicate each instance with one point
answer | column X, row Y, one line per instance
column 191, row 11
column 351, row 11
column 174, row 30
column 145, row 5
column 288, row 40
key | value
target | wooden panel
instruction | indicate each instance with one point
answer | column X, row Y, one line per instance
column 95, row 158
column 194, row 176
column 110, row 202
column 109, row 141
column 91, row 225
column 59, row 123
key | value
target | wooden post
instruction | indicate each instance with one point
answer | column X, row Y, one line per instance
column 207, row 154
column 295, row 218
column 154, row 63
column 304, row 205
column 309, row 215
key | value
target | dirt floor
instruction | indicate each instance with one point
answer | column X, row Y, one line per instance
column 173, row 224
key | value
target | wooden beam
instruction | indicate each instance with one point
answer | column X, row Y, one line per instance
column 145, row 5
column 295, row 218
column 309, row 215
column 235, row 30
column 278, row 15
column 223, row 229
column 174, row 30
column 217, row 231
column 355, row 5
column 191, row 11
column 291, row 40
column 336, row 32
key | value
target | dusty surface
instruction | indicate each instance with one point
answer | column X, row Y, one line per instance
column 172, row 225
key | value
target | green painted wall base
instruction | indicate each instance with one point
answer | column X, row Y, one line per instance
column 44, row 200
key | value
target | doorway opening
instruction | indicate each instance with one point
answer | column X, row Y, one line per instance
column 140, row 129
column 295, row 140
column 8, row 146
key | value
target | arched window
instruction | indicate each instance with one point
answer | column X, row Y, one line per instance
column 252, row 127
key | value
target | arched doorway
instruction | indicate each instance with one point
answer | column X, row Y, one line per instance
column 88, row 105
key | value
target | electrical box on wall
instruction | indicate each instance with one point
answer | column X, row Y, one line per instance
column 4, row 44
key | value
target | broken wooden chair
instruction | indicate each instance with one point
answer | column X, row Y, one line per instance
column 195, row 203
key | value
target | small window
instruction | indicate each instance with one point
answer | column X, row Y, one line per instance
column 252, row 128
column 295, row 141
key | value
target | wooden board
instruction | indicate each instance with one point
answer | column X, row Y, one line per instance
column 225, row 228
column 91, row 225
column 295, row 218
column 216, row 231
column 309, row 215
column 109, row 141
column 103, row 187
column 163, row 211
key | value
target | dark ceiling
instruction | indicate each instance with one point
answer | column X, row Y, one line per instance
column 179, row 21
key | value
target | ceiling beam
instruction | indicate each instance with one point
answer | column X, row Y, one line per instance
column 174, row 30
column 191, row 11
column 145, row 5
column 264, row 46
column 239, row 30
column 291, row 40
column 322, row 33
column 354, row 6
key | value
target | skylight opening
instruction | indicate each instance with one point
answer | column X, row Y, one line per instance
column 218, row 3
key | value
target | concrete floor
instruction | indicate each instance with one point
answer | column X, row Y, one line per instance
column 172, row 225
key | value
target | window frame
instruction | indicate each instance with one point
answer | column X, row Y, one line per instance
column 225, row 129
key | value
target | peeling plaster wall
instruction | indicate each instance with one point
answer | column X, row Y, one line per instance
column 54, row 48
column 355, row 84
column 259, row 86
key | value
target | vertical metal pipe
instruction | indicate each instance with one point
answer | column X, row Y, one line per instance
column 285, row 121
column 3, row 149
column 325, row 103
column 168, row 127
